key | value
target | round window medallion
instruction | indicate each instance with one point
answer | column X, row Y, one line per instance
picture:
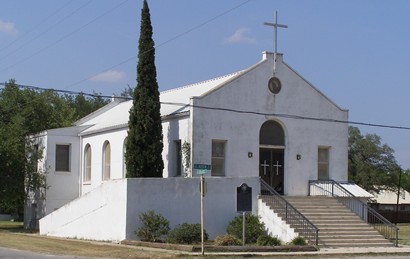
column 274, row 85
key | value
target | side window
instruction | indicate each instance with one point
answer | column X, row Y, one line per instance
column 87, row 164
column 63, row 158
column 106, row 160
column 323, row 163
column 178, row 158
column 218, row 157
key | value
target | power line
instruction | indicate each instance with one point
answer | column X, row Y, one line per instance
column 162, row 44
column 279, row 115
column 64, row 37
column 36, row 26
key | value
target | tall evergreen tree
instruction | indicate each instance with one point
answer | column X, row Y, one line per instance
column 144, row 143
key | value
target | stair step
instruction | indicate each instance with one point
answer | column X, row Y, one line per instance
column 344, row 241
column 347, row 233
column 336, row 245
column 338, row 225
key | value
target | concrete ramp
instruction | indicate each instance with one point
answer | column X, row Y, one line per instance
column 97, row 215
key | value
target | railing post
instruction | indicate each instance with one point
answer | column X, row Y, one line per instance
column 333, row 186
column 286, row 210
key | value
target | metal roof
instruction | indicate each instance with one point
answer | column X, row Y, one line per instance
column 173, row 101
column 356, row 190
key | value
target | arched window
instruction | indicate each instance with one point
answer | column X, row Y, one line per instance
column 124, row 165
column 272, row 134
column 87, row 164
column 106, row 160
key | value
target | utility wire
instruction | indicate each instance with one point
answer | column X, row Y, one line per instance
column 64, row 37
column 32, row 29
column 162, row 43
column 280, row 115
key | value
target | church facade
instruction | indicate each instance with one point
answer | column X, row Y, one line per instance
column 264, row 122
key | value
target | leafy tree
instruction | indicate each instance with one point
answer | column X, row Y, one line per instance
column 24, row 112
column 372, row 165
column 128, row 92
column 405, row 180
column 144, row 143
column 83, row 105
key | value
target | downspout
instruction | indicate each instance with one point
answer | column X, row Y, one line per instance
column 80, row 179
column 191, row 133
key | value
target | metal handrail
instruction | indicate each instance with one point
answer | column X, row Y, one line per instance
column 292, row 216
column 362, row 209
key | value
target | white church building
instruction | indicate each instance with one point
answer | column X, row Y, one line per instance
column 249, row 125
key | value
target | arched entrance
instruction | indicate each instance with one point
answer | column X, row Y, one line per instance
column 272, row 155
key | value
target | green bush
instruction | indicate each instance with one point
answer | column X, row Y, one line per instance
column 298, row 241
column 186, row 234
column 253, row 228
column 227, row 240
column 154, row 226
column 266, row 240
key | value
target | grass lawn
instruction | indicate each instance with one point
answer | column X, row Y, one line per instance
column 12, row 235
column 404, row 233
column 11, row 225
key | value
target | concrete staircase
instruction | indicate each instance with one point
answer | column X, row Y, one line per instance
column 338, row 225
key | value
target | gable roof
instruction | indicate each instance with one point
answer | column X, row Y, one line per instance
column 174, row 101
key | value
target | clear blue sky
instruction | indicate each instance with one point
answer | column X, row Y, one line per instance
column 355, row 51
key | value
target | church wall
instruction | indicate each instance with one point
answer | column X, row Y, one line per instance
column 116, row 139
column 111, row 211
column 274, row 224
column 63, row 186
column 173, row 130
column 249, row 93
column 97, row 215
column 178, row 200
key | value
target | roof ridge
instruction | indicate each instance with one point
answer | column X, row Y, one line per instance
column 201, row 82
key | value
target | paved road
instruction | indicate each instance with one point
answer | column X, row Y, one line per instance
column 6, row 253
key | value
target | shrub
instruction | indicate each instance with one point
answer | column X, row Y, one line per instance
column 253, row 228
column 298, row 241
column 227, row 240
column 266, row 240
column 186, row 234
column 153, row 226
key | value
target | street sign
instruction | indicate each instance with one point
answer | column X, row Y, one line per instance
column 202, row 166
column 202, row 169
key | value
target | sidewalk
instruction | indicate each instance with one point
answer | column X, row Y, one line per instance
column 360, row 251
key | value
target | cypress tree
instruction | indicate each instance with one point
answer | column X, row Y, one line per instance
column 145, row 143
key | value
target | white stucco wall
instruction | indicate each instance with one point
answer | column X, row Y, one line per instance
column 110, row 212
column 172, row 130
column 96, row 141
column 97, row 215
column 63, row 186
column 249, row 93
column 178, row 200
column 274, row 224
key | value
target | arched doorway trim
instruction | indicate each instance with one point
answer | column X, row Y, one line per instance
column 272, row 154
